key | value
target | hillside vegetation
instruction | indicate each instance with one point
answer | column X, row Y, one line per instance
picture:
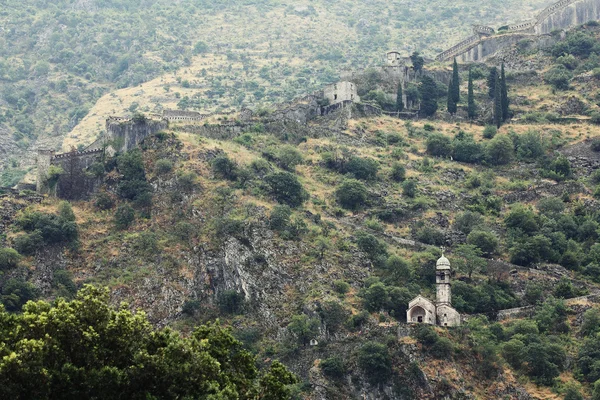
column 59, row 58
column 309, row 241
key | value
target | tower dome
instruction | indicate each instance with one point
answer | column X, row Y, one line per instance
column 442, row 263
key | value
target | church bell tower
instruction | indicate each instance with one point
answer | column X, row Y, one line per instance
column 442, row 281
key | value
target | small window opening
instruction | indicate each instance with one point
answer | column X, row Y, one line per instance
column 335, row 96
column 420, row 319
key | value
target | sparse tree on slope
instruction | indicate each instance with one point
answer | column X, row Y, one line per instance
column 452, row 107
column 471, row 109
column 504, row 94
column 498, row 117
column 455, row 83
column 491, row 81
column 399, row 101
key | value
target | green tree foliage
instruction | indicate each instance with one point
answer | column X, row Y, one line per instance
column 280, row 217
column 504, row 94
column 124, row 216
column 591, row 322
column 559, row 77
column 491, row 81
column 409, row 188
column 286, row 189
column 450, row 103
column 490, row 131
column 417, row 61
column 163, row 166
column 371, row 246
column 439, row 145
column 499, row 150
column 9, row 259
column 351, row 194
column 498, row 116
column 471, row 106
column 467, row 221
column 375, row 361
column 104, row 201
column 89, row 349
column 225, row 168
column 333, row 367
column 399, row 98
column 14, row 294
column 398, row 173
column 455, row 84
column 486, row 242
column 303, row 328
column 428, row 95
column 362, row 168
column 334, row 314
column 469, row 260
column 466, row 149
column 46, row 229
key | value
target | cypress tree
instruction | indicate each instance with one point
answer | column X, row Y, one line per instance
column 451, row 102
column 399, row 102
column 428, row 90
column 455, row 83
column 471, row 109
column 504, row 94
column 491, row 82
column 498, row 103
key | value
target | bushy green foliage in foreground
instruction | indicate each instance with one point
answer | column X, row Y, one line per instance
column 86, row 349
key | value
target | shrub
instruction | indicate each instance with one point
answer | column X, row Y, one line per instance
column 430, row 235
column 559, row 77
column 490, row 131
column 341, row 286
column 333, row 367
column 467, row 221
column 487, row 242
column 124, row 216
column 370, row 245
column 224, row 168
column 398, row 172
column 15, row 293
column 163, row 166
column 9, row 259
column 439, row 145
column 231, row 302
column 104, row 201
column 280, row 217
column 409, row 188
column 375, row 361
column 286, row 189
column 363, row 168
column 63, row 282
column 28, row 244
column 288, row 157
column 596, row 144
column 351, row 194
column 187, row 181
column 499, row 150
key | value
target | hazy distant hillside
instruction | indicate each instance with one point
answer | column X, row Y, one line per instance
column 58, row 58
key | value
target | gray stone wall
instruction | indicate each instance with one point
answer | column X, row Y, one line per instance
column 125, row 134
column 341, row 91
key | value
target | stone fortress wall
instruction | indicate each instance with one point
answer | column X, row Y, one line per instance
column 483, row 44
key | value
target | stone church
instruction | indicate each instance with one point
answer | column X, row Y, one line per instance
column 422, row 310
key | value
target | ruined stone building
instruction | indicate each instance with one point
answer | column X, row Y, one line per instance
column 440, row 312
column 340, row 92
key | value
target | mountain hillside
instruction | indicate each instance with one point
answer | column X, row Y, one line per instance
column 59, row 58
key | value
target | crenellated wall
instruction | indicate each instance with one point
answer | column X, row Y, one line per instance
column 563, row 14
